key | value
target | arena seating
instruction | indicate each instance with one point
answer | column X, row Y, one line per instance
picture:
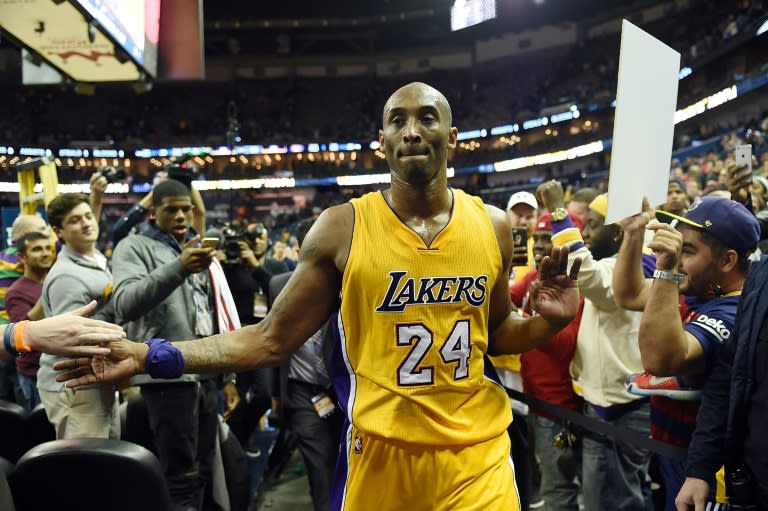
column 88, row 475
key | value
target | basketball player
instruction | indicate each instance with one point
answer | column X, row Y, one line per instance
column 422, row 270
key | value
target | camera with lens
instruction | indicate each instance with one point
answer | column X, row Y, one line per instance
column 232, row 250
column 233, row 238
column 113, row 174
column 184, row 174
column 180, row 168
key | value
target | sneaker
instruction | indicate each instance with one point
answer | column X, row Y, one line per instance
column 645, row 384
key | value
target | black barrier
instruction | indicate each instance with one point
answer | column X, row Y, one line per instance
column 622, row 435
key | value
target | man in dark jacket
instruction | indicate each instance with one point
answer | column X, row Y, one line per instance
column 739, row 384
column 307, row 400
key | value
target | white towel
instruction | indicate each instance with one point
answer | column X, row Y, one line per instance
column 228, row 320
column 226, row 312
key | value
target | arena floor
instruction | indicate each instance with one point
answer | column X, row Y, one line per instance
column 289, row 495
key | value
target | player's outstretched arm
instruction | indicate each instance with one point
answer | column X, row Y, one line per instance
column 304, row 305
column 554, row 296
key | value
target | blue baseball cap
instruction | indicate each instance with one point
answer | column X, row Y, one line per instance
column 728, row 221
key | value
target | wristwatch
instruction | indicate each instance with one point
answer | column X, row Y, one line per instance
column 667, row 275
column 558, row 215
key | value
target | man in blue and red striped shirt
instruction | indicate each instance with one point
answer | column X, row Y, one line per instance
column 705, row 258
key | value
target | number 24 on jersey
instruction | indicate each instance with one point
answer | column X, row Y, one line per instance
column 455, row 350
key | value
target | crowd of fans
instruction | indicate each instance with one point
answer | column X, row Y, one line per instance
column 605, row 363
column 266, row 245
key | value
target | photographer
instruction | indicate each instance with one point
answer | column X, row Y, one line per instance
column 138, row 213
column 248, row 270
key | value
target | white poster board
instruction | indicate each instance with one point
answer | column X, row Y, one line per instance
column 644, row 123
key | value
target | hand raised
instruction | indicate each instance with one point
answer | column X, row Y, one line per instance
column 739, row 179
column 98, row 183
column 550, row 193
column 555, row 294
column 667, row 244
column 637, row 223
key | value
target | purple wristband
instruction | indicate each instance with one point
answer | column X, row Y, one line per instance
column 164, row 360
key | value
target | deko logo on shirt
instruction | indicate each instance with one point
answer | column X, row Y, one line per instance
column 714, row 326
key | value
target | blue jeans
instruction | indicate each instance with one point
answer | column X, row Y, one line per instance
column 558, row 485
column 28, row 386
column 615, row 474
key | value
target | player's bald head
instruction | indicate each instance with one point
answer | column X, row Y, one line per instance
column 424, row 94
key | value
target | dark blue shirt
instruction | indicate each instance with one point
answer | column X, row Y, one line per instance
column 711, row 322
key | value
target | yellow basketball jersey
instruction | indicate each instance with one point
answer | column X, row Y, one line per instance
column 413, row 325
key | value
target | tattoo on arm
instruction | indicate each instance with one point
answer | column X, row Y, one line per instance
column 205, row 355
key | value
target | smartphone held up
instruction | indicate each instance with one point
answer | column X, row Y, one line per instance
column 519, row 246
column 742, row 157
column 209, row 243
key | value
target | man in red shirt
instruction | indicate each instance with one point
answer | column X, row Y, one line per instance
column 23, row 302
column 545, row 371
